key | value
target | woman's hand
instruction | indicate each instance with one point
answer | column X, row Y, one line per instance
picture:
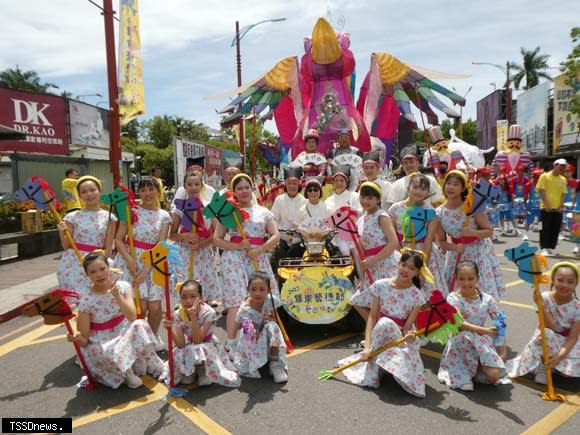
column 245, row 244
column 194, row 310
column 553, row 362
column 269, row 317
column 409, row 337
column 467, row 232
column 167, row 324
column 369, row 262
column 459, row 248
column 365, row 355
column 77, row 338
column 254, row 253
column 62, row 226
column 492, row 332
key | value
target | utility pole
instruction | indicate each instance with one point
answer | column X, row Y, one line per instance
column 114, row 121
column 239, row 70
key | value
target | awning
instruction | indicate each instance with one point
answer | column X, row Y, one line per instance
column 7, row 133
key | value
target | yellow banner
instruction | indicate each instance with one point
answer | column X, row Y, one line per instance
column 131, row 94
column 317, row 295
column 566, row 129
column 502, row 133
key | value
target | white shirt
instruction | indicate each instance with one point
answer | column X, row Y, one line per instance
column 311, row 215
column 285, row 210
column 334, row 201
column 399, row 191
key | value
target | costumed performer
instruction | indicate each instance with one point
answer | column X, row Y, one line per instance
column 371, row 167
column 90, row 228
column 440, row 151
column 150, row 227
column 117, row 346
column 513, row 157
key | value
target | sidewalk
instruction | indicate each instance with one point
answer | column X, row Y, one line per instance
column 24, row 280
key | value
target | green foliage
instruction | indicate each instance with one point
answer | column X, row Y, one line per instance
column 468, row 133
column 571, row 67
column 533, row 68
column 160, row 130
column 15, row 78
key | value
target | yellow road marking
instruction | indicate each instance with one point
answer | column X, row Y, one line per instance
column 198, row 418
column 556, row 418
column 24, row 340
column 516, row 304
column 514, row 283
column 46, row 340
column 321, row 343
column 156, row 393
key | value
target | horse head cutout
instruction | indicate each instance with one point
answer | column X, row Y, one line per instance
column 344, row 220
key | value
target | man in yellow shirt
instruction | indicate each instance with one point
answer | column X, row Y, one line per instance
column 552, row 189
column 69, row 191
column 156, row 173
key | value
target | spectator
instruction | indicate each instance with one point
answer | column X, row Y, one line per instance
column 156, row 174
column 69, row 191
column 552, row 189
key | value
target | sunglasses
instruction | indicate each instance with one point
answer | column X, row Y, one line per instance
column 313, row 189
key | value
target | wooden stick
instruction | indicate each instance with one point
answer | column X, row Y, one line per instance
column 359, row 249
column 191, row 252
column 67, row 233
column 132, row 252
column 289, row 345
column 550, row 394
column 168, row 316
column 381, row 349
column 91, row 383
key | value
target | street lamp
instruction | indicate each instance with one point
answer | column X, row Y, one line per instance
column 78, row 97
column 508, row 97
column 240, row 33
column 461, row 113
column 102, row 102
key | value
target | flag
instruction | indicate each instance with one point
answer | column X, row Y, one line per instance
column 131, row 95
column 502, row 134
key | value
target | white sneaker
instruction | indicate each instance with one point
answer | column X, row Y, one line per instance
column 545, row 253
column 132, row 380
column 186, row 380
column 202, row 379
column 160, row 344
column 551, row 252
column 278, row 372
column 467, row 387
column 576, row 250
column 525, row 237
column 540, row 377
column 560, row 236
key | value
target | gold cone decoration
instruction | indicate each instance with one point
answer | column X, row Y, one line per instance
column 392, row 69
column 325, row 47
column 277, row 77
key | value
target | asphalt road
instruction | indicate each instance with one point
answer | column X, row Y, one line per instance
column 38, row 378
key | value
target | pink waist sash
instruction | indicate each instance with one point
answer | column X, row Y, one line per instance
column 204, row 233
column 109, row 324
column 399, row 322
column 253, row 240
column 464, row 240
column 86, row 248
column 143, row 245
column 374, row 251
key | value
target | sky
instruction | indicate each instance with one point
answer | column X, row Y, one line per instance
column 187, row 55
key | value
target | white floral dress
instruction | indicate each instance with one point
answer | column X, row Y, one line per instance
column 481, row 252
column 436, row 261
column 253, row 352
column 565, row 316
column 114, row 350
column 209, row 353
column 466, row 350
column 371, row 236
column 403, row 362
column 90, row 231
column 205, row 268
column 236, row 265
column 146, row 233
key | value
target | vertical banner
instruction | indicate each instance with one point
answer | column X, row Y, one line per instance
column 502, row 133
column 213, row 166
column 131, row 94
column 532, row 117
column 488, row 112
column 566, row 128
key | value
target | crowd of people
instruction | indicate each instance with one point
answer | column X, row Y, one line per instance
column 416, row 234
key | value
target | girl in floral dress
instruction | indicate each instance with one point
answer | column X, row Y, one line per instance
column 91, row 228
column 150, row 228
column 112, row 340
column 418, row 191
column 470, row 237
column 396, row 302
column 562, row 319
column 379, row 241
column 198, row 243
column 471, row 350
column 259, row 338
column 241, row 256
column 196, row 348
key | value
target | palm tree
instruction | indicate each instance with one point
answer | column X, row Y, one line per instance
column 533, row 68
column 23, row 80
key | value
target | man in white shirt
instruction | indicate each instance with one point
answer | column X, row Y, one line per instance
column 284, row 209
column 399, row 189
column 371, row 167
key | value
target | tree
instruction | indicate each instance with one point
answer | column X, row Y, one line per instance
column 571, row 67
column 534, row 66
column 159, row 131
column 131, row 130
column 16, row 78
